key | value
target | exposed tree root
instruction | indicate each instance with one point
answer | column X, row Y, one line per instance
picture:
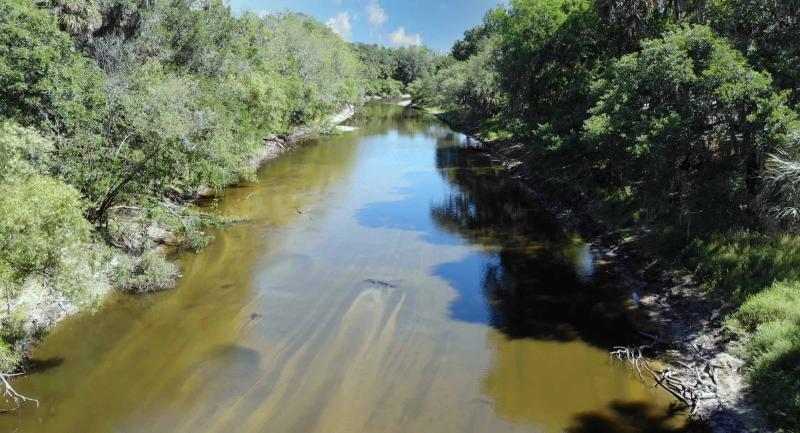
column 694, row 384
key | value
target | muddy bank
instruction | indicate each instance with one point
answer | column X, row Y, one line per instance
column 666, row 301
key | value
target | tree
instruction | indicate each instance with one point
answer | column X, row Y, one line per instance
column 766, row 31
column 683, row 127
column 466, row 86
column 468, row 46
column 413, row 63
column 378, row 67
column 44, row 81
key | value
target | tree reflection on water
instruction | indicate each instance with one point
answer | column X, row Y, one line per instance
column 535, row 285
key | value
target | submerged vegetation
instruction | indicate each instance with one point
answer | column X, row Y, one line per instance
column 116, row 112
column 676, row 116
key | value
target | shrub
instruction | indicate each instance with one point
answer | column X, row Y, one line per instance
column 149, row 272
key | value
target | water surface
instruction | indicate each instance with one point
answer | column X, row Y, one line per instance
column 391, row 279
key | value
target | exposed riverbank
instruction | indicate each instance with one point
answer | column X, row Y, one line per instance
column 667, row 301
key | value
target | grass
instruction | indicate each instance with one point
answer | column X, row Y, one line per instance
column 760, row 275
column 743, row 263
column 769, row 324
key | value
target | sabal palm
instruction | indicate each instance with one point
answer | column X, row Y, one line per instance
column 78, row 17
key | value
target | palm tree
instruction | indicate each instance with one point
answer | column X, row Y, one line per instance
column 80, row 18
column 780, row 198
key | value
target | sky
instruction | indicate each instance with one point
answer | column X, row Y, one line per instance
column 435, row 23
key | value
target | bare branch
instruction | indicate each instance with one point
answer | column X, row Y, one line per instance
column 10, row 394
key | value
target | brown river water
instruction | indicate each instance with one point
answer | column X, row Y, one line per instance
column 390, row 279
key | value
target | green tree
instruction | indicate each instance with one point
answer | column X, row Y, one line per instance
column 767, row 32
column 413, row 63
column 378, row 66
column 44, row 81
column 683, row 127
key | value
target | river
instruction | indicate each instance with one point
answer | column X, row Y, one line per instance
column 390, row 279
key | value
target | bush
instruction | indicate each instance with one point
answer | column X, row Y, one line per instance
column 388, row 88
column 9, row 359
column 149, row 272
column 47, row 254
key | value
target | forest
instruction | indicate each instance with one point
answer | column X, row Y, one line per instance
column 676, row 123
column 115, row 113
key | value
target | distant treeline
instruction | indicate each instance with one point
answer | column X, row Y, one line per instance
column 388, row 71
column 113, row 112
column 679, row 116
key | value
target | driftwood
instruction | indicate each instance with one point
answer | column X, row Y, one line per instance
column 693, row 385
column 9, row 394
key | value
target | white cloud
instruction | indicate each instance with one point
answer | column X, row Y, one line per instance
column 340, row 24
column 376, row 14
column 401, row 39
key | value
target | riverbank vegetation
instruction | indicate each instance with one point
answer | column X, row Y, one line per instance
column 115, row 113
column 680, row 117
column 387, row 72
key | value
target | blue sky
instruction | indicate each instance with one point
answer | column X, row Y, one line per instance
column 436, row 23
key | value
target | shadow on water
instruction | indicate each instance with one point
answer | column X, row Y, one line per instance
column 534, row 282
column 531, row 278
column 627, row 417
column 41, row 365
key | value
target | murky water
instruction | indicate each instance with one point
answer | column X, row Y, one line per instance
column 386, row 280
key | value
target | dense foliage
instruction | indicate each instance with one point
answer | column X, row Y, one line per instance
column 47, row 256
column 674, row 114
column 388, row 71
column 682, row 128
column 766, row 31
